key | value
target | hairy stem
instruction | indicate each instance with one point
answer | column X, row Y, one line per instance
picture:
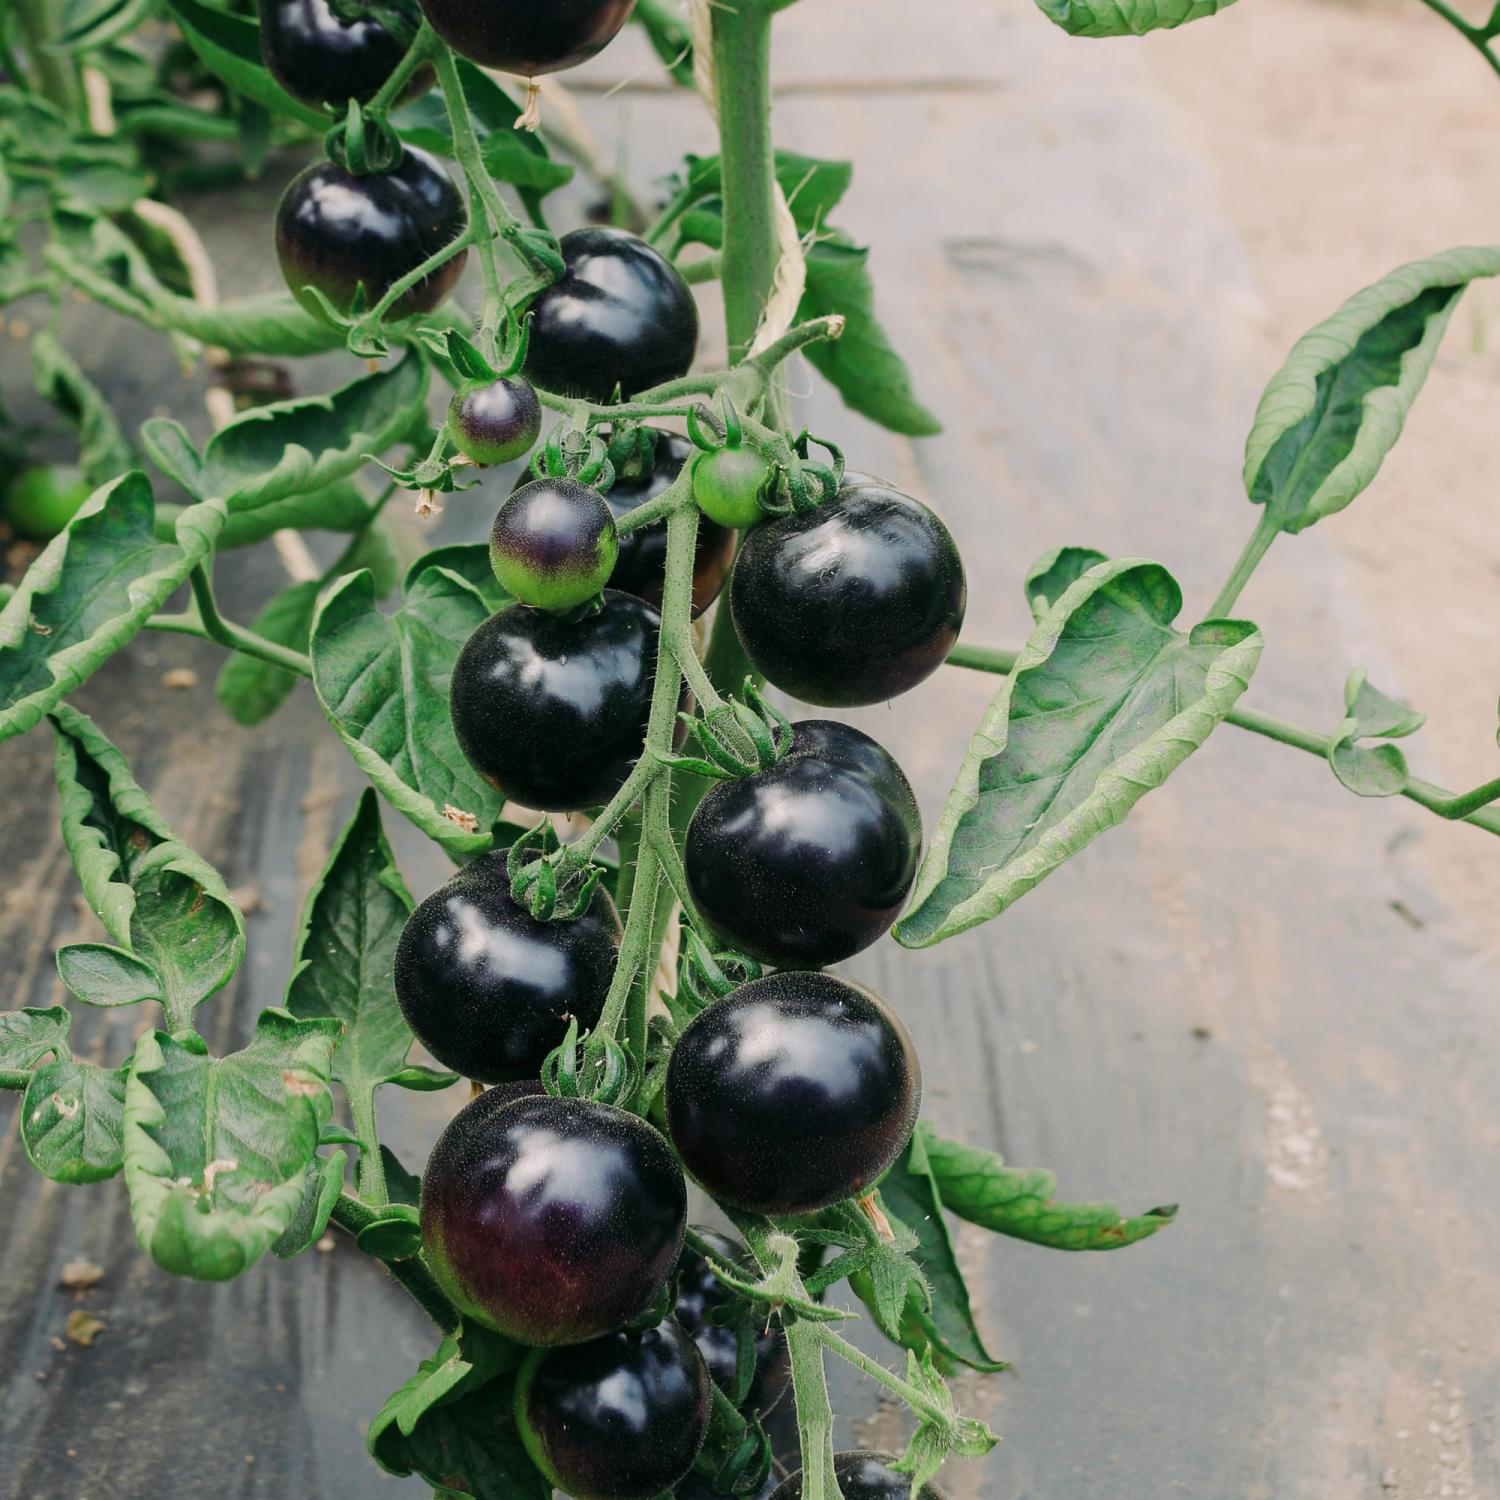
column 352, row 1216
column 423, row 46
column 372, row 1185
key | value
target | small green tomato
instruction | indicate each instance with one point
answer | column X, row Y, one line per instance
column 728, row 484
column 42, row 500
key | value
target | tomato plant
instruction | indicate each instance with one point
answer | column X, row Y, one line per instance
column 648, row 1000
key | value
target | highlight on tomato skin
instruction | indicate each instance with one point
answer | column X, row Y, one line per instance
column 795, row 1092
column 621, row 1418
column 550, row 1220
column 487, row 988
column 528, row 37
column 494, row 421
column 336, row 233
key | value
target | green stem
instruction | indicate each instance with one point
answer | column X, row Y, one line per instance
column 1478, row 37
column 423, row 45
column 352, row 1216
column 398, row 289
column 55, row 75
column 676, row 877
column 918, row 1400
column 1463, row 807
column 372, row 1185
column 211, row 625
column 696, row 272
column 742, row 71
column 1266, row 531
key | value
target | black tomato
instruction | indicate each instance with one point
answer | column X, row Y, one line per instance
column 864, row 1476
column 551, row 711
column 808, row 862
column 795, row 1092
column 551, row 1220
column 554, row 544
column 487, row 988
column 494, row 421
column 621, row 316
column 700, row 1294
column 320, row 59
column 640, row 568
column 336, row 232
column 527, row 36
column 853, row 602
column 621, row 1418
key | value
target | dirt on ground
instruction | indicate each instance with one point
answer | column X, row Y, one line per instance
column 1347, row 137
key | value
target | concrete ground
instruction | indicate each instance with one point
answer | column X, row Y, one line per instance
column 1263, row 998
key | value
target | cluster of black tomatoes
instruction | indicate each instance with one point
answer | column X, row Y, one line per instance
column 562, row 1222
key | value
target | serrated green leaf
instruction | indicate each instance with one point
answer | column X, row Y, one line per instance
column 181, row 934
column 217, row 1150
column 228, row 45
column 910, row 1193
column 383, row 682
column 320, row 1191
column 340, row 506
column 103, row 452
column 71, row 1120
column 813, row 188
column 1054, row 573
column 93, row 587
column 402, row 1186
column 290, row 448
column 273, row 324
column 1105, row 18
column 978, row 1186
column 252, row 690
column 1372, row 770
column 862, row 365
column 346, row 954
column 1337, row 406
column 27, row 1037
column 1105, row 701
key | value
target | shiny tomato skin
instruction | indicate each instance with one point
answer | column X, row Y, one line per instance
column 553, row 544
column 620, row 316
column 853, row 602
column 795, row 1092
column 809, row 862
column 700, row 1294
column 488, row 989
column 552, row 1221
column 528, row 37
column 620, row 1418
column 336, row 232
column 640, row 569
column 864, row 1476
column 319, row 59
column 494, row 421
column 551, row 711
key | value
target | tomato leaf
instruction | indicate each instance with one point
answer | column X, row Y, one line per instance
column 346, row 956
column 103, row 452
column 1336, row 407
column 320, row 1191
column 180, row 935
column 217, row 1150
column 862, row 365
column 94, row 585
column 26, row 1038
column 71, row 1120
column 1052, row 574
column 1103, row 18
column 945, row 1321
column 340, row 506
column 978, row 1186
column 1372, row 770
column 1105, row 701
column 229, row 47
column 383, row 682
column 290, row 448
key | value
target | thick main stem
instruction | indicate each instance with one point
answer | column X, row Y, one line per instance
column 54, row 74
column 372, row 1185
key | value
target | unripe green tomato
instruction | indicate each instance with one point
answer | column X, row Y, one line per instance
column 42, row 500
column 728, row 484
column 494, row 421
column 554, row 544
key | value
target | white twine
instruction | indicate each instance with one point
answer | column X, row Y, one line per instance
column 790, row 280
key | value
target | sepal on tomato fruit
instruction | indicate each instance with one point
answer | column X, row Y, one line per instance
column 597, row 1068
column 723, row 734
